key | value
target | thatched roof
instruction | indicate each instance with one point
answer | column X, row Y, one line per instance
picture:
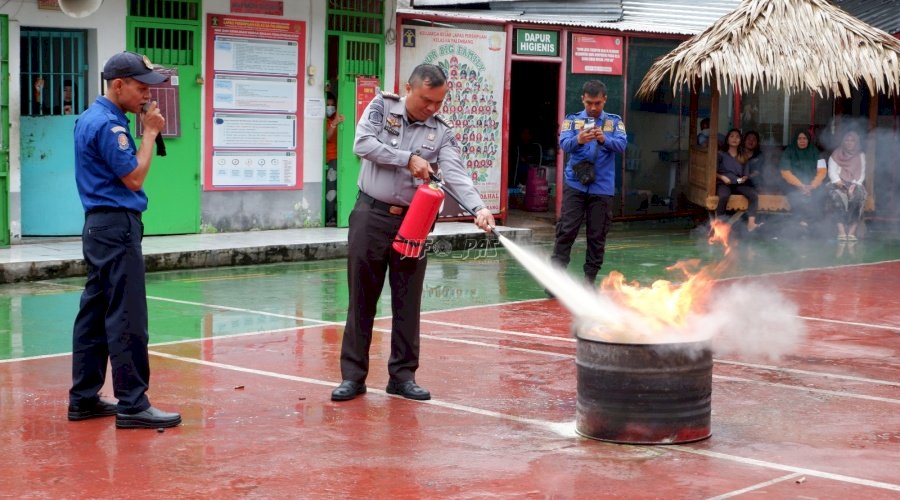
column 793, row 45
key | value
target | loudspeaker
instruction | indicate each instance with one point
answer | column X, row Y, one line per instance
column 79, row 8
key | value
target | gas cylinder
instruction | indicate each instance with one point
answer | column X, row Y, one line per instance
column 422, row 212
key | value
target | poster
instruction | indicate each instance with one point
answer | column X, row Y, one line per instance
column 254, row 129
column 366, row 87
column 597, row 54
column 474, row 62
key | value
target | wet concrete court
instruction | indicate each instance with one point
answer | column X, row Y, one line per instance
column 249, row 356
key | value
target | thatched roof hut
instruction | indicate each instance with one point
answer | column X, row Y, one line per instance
column 792, row 45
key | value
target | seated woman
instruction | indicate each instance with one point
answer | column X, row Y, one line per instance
column 755, row 159
column 732, row 176
column 803, row 170
column 847, row 190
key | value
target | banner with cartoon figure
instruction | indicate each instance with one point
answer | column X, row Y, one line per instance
column 474, row 62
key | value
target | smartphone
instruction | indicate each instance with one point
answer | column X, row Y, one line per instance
column 589, row 123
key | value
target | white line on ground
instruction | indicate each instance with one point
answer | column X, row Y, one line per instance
column 545, row 424
column 852, row 323
column 787, row 468
column 721, row 361
column 497, row 330
column 809, row 389
column 757, row 486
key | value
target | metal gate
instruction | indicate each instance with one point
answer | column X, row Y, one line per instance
column 169, row 33
column 358, row 25
column 52, row 75
column 4, row 130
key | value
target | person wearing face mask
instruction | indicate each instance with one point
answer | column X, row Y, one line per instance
column 332, row 120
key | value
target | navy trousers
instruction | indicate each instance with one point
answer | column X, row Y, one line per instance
column 370, row 260
column 593, row 210
column 112, row 321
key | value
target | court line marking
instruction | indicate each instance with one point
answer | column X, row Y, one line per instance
column 545, row 424
column 500, row 331
column 723, row 361
column 756, row 486
column 851, row 323
column 445, row 339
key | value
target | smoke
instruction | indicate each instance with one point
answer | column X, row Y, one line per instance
column 883, row 169
column 751, row 320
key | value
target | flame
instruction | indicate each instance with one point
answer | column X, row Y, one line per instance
column 719, row 233
column 667, row 304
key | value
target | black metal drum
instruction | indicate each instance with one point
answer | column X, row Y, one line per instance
column 643, row 393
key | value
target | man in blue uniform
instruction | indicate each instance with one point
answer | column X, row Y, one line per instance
column 112, row 320
column 591, row 138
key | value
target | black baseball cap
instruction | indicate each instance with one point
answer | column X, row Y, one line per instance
column 132, row 65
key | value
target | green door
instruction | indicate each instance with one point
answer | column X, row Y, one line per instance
column 173, row 185
column 4, row 130
column 358, row 55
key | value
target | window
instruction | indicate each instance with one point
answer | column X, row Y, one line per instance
column 53, row 71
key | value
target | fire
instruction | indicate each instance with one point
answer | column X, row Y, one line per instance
column 663, row 303
column 666, row 304
column 719, row 234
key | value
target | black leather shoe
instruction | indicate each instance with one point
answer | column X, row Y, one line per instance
column 101, row 408
column 408, row 390
column 151, row 418
column 347, row 391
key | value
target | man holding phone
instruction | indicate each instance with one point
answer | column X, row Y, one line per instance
column 591, row 138
column 111, row 324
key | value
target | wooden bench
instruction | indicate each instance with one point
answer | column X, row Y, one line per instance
column 702, row 188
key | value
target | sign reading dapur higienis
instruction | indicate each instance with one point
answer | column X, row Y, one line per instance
column 537, row 42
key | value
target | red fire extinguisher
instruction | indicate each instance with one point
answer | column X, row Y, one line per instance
column 422, row 212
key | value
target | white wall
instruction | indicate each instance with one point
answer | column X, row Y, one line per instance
column 102, row 43
column 228, row 211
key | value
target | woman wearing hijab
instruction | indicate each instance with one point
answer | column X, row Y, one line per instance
column 804, row 170
column 733, row 175
column 847, row 173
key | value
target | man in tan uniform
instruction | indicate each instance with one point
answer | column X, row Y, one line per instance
column 398, row 139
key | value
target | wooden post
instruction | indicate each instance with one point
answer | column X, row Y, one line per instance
column 711, row 155
column 871, row 152
column 692, row 120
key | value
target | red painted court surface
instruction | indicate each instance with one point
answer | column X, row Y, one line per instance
column 823, row 422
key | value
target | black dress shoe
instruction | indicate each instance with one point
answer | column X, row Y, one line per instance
column 408, row 390
column 347, row 391
column 100, row 408
column 151, row 418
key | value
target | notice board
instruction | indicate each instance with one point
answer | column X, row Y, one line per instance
column 254, row 127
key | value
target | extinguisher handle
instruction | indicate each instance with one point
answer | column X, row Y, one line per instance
column 440, row 182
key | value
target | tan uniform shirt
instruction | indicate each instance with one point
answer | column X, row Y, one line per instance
column 385, row 139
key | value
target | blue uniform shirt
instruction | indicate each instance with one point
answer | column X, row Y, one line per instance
column 104, row 153
column 604, row 162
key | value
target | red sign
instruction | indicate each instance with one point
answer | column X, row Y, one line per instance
column 597, row 54
column 366, row 86
column 268, row 7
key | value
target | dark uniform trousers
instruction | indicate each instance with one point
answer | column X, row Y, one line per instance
column 578, row 207
column 112, row 320
column 370, row 259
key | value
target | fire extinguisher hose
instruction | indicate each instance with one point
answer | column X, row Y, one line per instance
column 440, row 182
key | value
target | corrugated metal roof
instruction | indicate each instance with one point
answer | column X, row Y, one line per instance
column 677, row 17
column 681, row 16
column 450, row 3
column 882, row 14
column 610, row 10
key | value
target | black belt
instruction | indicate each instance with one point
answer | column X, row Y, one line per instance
column 380, row 205
column 112, row 210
